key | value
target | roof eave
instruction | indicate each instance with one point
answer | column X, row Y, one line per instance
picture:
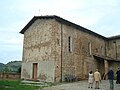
column 28, row 25
column 34, row 19
column 79, row 27
column 61, row 20
column 114, row 37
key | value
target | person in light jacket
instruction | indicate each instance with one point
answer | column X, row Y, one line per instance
column 97, row 78
column 90, row 79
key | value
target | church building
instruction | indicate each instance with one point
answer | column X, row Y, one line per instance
column 55, row 48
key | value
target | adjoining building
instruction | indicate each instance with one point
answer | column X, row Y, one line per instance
column 54, row 48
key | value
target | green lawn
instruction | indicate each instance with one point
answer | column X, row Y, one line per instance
column 16, row 85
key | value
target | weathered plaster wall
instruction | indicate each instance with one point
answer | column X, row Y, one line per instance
column 38, row 41
column 42, row 43
column 113, row 49
column 46, row 43
column 26, row 72
column 79, row 62
column 46, row 70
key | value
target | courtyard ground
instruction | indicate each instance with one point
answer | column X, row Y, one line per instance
column 82, row 85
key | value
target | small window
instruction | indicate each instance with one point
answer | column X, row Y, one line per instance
column 89, row 48
column 70, row 44
column 102, row 50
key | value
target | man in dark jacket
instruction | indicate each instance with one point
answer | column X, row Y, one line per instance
column 111, row 78
column 118, row 76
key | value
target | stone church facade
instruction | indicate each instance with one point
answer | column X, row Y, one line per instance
column 54, row 48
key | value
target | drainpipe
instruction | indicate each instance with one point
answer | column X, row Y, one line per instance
column 61, row 50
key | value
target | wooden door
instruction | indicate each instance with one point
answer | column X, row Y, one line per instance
column 35, row 67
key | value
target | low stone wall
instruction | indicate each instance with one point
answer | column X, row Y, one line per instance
column 10, row 75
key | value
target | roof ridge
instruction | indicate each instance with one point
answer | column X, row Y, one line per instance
column 62, row 20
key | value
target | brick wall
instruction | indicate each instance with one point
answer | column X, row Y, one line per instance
column 10, row 75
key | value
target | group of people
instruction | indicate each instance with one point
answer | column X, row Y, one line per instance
column 97, row 78
column 94, row 77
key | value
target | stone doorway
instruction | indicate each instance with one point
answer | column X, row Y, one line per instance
column 100, row 64
column 101, row 67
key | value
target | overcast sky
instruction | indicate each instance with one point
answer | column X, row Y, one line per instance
column 100, row 16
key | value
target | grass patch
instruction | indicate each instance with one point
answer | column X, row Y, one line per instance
column 16, row 85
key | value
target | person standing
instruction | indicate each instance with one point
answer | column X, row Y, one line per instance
column 97, row 78
column 111, row 78
column 118, row 76
column 90, row 79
